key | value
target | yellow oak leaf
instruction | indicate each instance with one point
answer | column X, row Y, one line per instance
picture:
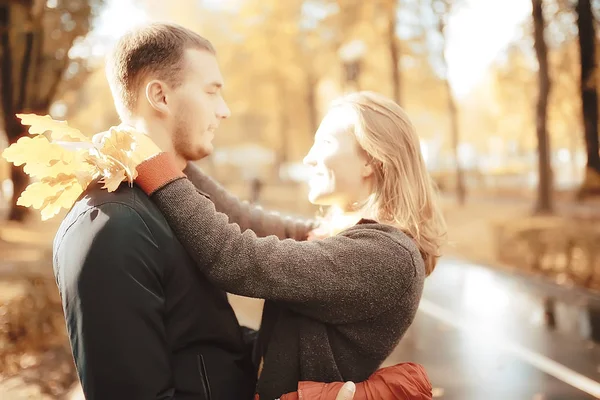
column 61, row 192
column 42, row 158
column 38, row 170
column 83, row 179
column 60, row 130
column 67, row 162
column 113, row 181
column 111, row 169
column 116, row 139
column 59, row 180
column 94, row 157
column 36, row 193
column 36, row 150
column 84, row 171
column 117, row 146
column 67, row 196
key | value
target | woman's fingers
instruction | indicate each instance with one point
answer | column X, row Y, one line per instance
column 347, row 391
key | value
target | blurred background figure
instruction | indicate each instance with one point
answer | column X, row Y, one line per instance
column 504, row 99
column 256, row 186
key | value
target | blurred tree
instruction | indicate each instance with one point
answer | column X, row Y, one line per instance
column 544, row 196
column 35, row 41
column 281, row 65
column 272, row 42
column 564, row 103
column 391, row 8
column 90, row 105
column 514, row 88
column 442, row 10
column 589, row 95
column 515, row 76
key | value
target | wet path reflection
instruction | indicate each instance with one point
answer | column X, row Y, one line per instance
column 484, row 334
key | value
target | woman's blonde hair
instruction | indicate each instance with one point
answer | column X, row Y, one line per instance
column 403, row 193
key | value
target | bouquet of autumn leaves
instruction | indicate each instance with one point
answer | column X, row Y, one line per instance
column 64, row 162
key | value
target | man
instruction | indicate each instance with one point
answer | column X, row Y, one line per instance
column 143, row 323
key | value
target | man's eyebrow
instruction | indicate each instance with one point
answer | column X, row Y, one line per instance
column 216, row 84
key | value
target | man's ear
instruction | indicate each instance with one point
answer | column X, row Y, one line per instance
column 156, row 95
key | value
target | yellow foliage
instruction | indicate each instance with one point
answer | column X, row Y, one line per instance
column 111, row 182
column 60, row 130
column 69, row 162
column 34, row 152
column 51, row 194
column 114, row 158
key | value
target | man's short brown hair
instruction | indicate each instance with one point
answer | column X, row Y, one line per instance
column 156, row 49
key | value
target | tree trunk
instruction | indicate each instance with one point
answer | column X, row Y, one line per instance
column 544, row 196
column 30, row 73
column 311, row 102
column 12, row 125
column 394, row 49
column 573, row 147
column 589, row 96
column 20, row 180
column 282, row 153
column 461, row 188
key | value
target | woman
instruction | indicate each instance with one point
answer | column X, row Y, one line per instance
column 336, row 307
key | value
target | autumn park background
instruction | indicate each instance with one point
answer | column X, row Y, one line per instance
column 503, row 95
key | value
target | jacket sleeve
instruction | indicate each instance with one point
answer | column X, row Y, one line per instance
column 246, row 215
column 405, row 381
column 107, row 270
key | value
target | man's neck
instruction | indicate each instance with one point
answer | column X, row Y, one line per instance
column 159, row 135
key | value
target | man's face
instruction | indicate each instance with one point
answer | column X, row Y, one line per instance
column 197, row 106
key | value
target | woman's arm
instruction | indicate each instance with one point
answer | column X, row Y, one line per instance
column 246, row 215
column 347, row 277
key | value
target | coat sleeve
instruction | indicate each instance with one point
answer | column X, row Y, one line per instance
column 246, row 215
column 405, row 381
column 340, row 279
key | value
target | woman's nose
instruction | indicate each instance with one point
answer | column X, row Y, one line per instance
column 309, row 159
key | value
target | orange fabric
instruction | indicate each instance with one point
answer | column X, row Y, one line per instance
column 156, row 172
column 406, row 381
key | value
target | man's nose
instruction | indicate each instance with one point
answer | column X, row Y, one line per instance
column 223, row 110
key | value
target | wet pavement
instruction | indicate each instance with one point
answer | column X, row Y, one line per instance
column 483, row 334
column 488, row 335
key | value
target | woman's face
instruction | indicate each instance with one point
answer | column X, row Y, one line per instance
column 340, row 170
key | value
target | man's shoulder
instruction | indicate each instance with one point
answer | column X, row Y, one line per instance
column 126, row 204
column 95, row 196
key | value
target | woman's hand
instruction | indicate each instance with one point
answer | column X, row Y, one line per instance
column 347, row 391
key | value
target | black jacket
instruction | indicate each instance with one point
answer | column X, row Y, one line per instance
column 142, row 321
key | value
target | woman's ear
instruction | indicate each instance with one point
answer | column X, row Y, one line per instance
column 156, row 96
column 368, row 169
